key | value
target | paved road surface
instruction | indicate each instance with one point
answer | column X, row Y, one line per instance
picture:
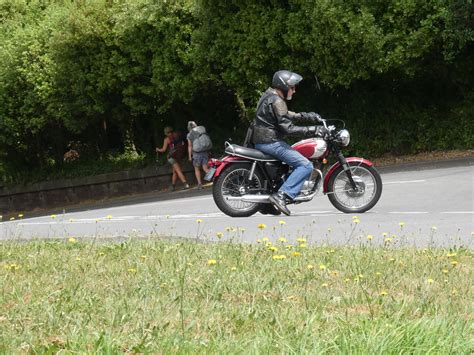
column 435, row 207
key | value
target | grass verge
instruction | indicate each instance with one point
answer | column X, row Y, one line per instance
column 182, row 296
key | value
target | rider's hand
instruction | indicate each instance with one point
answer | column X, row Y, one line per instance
column 317, row 131
column 311, row 116
column 321, row 131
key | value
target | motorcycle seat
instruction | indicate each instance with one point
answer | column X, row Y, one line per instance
column 238, row 150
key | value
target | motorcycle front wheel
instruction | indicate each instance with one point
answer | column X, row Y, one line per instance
column 343, row 196
column 232, row 183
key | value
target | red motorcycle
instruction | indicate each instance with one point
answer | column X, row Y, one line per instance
column 245, row 178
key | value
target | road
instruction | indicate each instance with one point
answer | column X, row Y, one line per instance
column 419, row 207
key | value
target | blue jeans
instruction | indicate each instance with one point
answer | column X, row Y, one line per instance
column 302, row 167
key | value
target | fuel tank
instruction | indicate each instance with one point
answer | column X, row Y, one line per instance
column 312, row 148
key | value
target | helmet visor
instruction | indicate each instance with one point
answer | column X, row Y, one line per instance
column 294, row 79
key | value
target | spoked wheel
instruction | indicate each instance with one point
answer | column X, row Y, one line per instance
column 233, row 183
column 348, row 200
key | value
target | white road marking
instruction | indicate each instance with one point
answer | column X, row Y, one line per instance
column 459, row 212
column 400, row 212
column 402, row 182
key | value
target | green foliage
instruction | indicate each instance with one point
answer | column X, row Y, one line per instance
column 113, row 74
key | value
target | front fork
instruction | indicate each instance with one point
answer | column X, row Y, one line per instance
column 347, row 169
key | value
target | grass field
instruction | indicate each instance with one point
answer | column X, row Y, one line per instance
column 271, row 297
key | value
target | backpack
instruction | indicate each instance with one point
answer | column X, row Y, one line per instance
column 202, row 142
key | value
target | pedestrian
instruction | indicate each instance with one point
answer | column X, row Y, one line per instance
column 199, row 147
column 176, row 152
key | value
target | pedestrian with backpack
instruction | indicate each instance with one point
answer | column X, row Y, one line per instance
column 199, row 148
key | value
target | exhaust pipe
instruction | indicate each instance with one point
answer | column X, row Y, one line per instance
column 249, row 198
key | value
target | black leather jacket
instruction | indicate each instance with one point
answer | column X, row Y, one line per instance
column 273, row 120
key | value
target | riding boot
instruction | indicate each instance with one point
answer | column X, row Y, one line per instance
column 269, row 209
column 279, row 201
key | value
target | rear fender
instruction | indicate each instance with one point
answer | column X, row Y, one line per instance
column 333, row 168
column 227, row 160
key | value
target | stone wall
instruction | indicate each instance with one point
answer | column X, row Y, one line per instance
column 56, row 194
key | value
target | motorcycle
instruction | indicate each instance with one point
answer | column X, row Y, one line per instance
column 245, row 178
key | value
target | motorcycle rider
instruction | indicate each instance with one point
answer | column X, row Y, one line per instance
column 272, row 122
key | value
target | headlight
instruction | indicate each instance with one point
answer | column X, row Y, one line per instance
column 343, row 138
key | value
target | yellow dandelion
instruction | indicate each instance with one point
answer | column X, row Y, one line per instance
column 219, row 235
column 329, row 229
column 53, row 216
column 143, row 257
column 346, row 280
column 282, row 223
column 324, row 285
column 78, row 259
column 301, row 240
column 282, row 240
column 355, row 217
column 259, row 241
column 228, row 229
column 322, row 267
column 20, row 215
column 233, row 268
column 261, row 226
column 296, row 253
column 454, row 292
column 167, row 216
column 383, row 293
column 211, row 262
column 356, row 221
column 198, row 221
column 72, row 240
column 279, row 257
column 378, row 273
column 388, row 240
column 12, row 218
column 430, row 281
column 310, row 267
column 384, row 234
column 370, row 237
column 454, row 263
column 434, row 228
column 273, row 249
column 401, row 224
column 451, row 255
column 392, row 259
column 265, row 239
column 289, row 247
column 303, row 245
column 241, row 229
column 132, row 270
column 445, row 271
column 101, row 253
column 109, row 216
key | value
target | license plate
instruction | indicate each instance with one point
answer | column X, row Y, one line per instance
column 210, row 174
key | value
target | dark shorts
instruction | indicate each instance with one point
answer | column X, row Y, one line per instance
column 200, row 159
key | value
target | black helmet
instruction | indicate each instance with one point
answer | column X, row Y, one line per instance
column 283, row 79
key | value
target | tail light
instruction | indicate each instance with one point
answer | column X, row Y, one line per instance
column 213, row 163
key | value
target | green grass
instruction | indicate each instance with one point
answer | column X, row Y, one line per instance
column 182, row 296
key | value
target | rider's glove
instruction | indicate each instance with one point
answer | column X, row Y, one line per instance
column 317, row 131
column 311, row 116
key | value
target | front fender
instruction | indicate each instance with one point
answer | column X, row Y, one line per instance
column 333, row 168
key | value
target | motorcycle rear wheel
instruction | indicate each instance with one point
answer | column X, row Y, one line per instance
column 342, row 195
column 233, row 181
